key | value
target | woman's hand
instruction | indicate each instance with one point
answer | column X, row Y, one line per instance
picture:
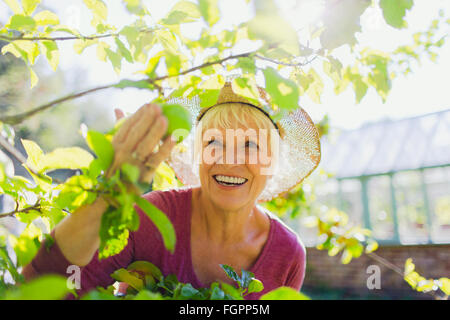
column 137, row 141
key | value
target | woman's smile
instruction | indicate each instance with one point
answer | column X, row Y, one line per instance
column 229, row 181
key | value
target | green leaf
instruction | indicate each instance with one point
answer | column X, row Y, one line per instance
column 123, row 275
column 101, row 53
column 188, row 292
column 140, row 84
column 135, row 7
column 246, row 278
column 444, row 285
column 231, row 291
column 371, row 246
column 160, row 220
column 284, row 293
column 123, row 50
column 115, row 58
column 47, row 287
column 148, row 295
column 46, row 17
column 65, row 158
column 217, row 294
column 182, row 12
column 315, row 87
column 284, row 92
column 394, row 11
column 22, row 23
column 168, row 40
column 50, row 49
column 210, row 11
column 255, row 286
column 26, row 245
column 208, row 97
column 99, row 11
column 29, row 6
column 131, row 172
column 230, row 272
column 275, row 31
column 34, row 152
column 360, row 88
column 80, row 44
column 102, row 148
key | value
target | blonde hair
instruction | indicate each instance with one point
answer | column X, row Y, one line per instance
column 232, row 114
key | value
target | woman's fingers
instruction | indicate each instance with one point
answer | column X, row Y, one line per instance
column 140, row 128
column 152, row 138
column 119, row 114
column 156, row 158
column 162, row 154
column 145, row 113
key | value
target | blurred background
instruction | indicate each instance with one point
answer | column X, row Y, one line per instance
column 385, row 164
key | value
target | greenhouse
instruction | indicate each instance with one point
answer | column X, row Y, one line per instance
column 393, row 177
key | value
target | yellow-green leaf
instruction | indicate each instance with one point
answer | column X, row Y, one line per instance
column 284, row 293
column 33, row 78
column 21, row 22
column 98, row 9
column 444, row 285
column 50, row 49
column 210, row 11
column 81, row 44
column 29, row 6
column 46, row 17
column 66, row 158
column 34, row 152
column 47, row 287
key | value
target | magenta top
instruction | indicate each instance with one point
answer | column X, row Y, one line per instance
column 280, row 263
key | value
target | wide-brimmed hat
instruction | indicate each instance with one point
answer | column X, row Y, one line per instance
column 299, row 148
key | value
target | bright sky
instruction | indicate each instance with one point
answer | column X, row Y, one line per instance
column 423, row 91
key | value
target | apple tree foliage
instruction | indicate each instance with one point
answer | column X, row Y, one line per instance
column 172, row 63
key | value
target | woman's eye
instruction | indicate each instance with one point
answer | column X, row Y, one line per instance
column 251, row 144
column 213, row 142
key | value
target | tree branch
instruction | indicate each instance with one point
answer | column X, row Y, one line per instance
column 289, row 64
column 18, row 118
column 108, row 35
column 396, row 269
column 35, row 207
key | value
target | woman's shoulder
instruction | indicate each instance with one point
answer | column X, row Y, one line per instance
column 284, row 239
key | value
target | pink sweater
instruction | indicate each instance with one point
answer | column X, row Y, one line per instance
column 280, row 263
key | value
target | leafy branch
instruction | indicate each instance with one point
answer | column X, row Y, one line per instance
column 18, row 118
column 34, row 207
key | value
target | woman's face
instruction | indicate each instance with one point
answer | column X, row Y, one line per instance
column 232, row 171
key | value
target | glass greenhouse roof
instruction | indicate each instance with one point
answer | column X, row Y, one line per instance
column 389, row 146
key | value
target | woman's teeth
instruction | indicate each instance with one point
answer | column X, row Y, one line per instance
column 229, row 181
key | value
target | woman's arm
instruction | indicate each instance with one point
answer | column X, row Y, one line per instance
column 77, row 236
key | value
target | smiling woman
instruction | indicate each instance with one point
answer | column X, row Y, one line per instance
column 218, row 221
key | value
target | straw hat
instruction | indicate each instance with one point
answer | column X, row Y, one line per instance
column 299, row 148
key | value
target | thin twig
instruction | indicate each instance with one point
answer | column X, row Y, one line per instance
column 396, row 269
column 289, row 64
column 15, row 153
column 35, row 207
column 108, row 35
column 18, row 118
column 10, row 39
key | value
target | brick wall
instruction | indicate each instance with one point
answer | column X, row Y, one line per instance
column 327, row 278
